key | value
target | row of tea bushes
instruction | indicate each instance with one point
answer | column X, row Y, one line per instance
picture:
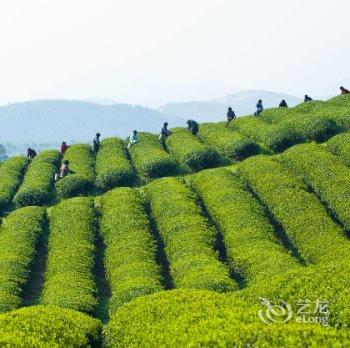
column 113, row 167
column 273, row 137
column 304, row 220
column 11, row 175
column 130, row 256
column 69, row 280
column 150, row 159
column 340, row 146
column 323, row 290
column 328, row 177
column 49, row 326
column 38, row 184
column 254, row 251
column 189, row 241
column 190, row 152
column 233, row 146
column 193, row 318
column 82, row 164
column 19, row 234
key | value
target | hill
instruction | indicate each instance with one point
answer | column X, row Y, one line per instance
column 238, row 236
column 243, row 103
column 46, row 123
column 51, row 121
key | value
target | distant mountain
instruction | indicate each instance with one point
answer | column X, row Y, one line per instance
column 103, row 101
column 243, row 103
column 44, row 121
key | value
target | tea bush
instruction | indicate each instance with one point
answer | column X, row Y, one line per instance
column 312, row 128
column 231, row 145
column 340, row 146
column 303, row 218
column 48, row 326
column 69, row 281
column 327, row 176
column 150, row 159
column 130, row 256
column 11, row 174
column 253, row 250
column 277, row 115
column 191, row 152
column 309, row 106
column 282, row 137
column 339, row 101
column 329, row 282
column 82, row 163
column 273, row 137
column 190, row 318
column 19, row 234
column 38, row 184
column 112, row 165
column 189, row 241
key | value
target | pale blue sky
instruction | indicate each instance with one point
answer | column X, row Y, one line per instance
column 156, row 51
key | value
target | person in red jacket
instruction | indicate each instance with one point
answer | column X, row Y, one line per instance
column 64, row 147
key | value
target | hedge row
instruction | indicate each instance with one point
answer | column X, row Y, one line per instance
column 150, row 159
column 130, row 257
column 273, row 137
column 189, row 242
column 328, row 282
column 277, row 115
column 184, row 318
column 339, row 101
column 290, row 130
column 340, row 146
column 11, row 174
column 253, row 250
column 336, row 109
column 38, row 185
column 82, row 164
column 231, row 145
column 69, row 280
column 312, row 128
column 301, row 215
column 112, row 165
column 19, row 234
column 315, row 121
column 325, row 174
column 191, row 152
column 48, row 326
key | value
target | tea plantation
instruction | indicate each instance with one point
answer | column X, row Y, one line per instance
column 238, row 237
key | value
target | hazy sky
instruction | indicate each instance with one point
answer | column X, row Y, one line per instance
column 156, row 51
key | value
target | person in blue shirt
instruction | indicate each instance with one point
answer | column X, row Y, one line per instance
column 259, row 108
column 164, row 133
column 133, row 139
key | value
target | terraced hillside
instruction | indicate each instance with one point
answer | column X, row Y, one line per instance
column 194, row 244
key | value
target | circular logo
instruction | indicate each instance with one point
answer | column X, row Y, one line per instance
column 275, row 311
